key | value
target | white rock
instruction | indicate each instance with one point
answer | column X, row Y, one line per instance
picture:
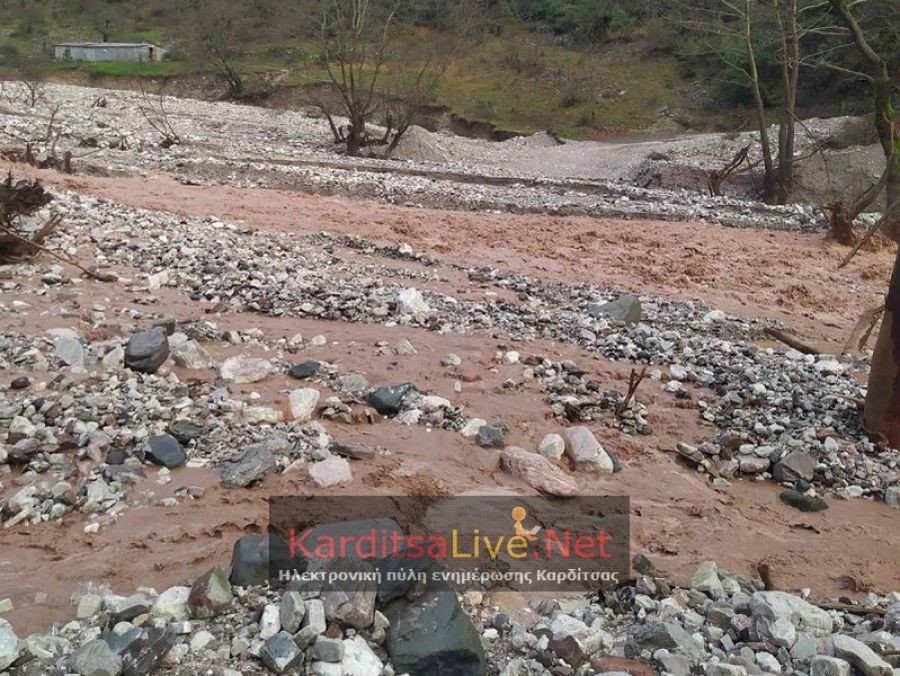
column 330, row 472
column 262, row 415
column 302, row 404
column 470, row 429
column 552, row 447
column 172, row 604
column 411, row 302
column 243, row 370
column 270, row 622
column 359, row 658
column 823, row 665
column 9, row 644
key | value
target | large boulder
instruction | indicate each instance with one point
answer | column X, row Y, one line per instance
column 281, row 653
column 585, row 452
column 860, row 656
column 144, row 655
column 433, row 635
column 795, row 466
column 248, row 466
column 210, row 595
column 9, row 644
column 663, row 635
column 95, row 658
column 252, row 556
column 538, row 472
column 147, row 350
column 165, row 451
column 388, row 400
column 625, row 309
column 351, row 603
column 768, row 606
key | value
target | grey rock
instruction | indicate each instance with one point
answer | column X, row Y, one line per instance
column 725, row 669
column 797, row 465
column 244, row 370
column 768, row 606
column 388, row 400
column 210, row 595
column 248, row 466
column 332, row 471
column 292, row 609
column 95, row 658
column 626, row 309
column 147, row 350
column 706, row 579
column 9, row 644
column 489, row 436
column 165, row 451
column 892, row 496
column 328, row 649
column 585, row 452
column 185, row 431
column 305, row 370
column 252, row 556
column 663, row 635
column 281, row 653
column 823, row 665
column 351, row 603
column 552, row 447
column 803, row 502
column 145, row 655
column 433, row 635
column 860, row 656
column 70, row 351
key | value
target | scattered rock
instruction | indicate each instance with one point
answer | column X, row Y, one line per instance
column 147, row 350
column 248, row 467
column 245, row 370
column 165, row 451
column 332, row 471
column 95, row 658
column 305, row 370
column 302, row 404
column 210, row 595
column 626, row 309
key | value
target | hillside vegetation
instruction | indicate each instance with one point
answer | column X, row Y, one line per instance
column 584, row 68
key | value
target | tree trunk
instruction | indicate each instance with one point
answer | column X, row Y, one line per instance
column 882, row 417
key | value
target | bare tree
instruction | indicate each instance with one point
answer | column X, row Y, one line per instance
column 882, row 412
column 216, row 40
column 153, row 110
column 354, row 39
column 743, row 23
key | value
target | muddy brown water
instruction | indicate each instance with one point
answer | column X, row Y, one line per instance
column 678, row 518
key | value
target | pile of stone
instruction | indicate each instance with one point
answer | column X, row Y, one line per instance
column 252, row 147
column 232, row 621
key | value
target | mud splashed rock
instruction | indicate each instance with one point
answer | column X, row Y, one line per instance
column 537, row 472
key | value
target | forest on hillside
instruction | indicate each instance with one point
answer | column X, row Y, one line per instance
column 528, row 64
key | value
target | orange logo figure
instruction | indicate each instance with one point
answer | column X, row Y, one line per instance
column 518, row 515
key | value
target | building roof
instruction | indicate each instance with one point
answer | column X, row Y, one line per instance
column 105, row 44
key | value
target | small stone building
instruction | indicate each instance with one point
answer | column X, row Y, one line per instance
column 108, row 51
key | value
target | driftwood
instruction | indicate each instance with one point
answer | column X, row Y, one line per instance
column 863, row 330
column 791, row 341
column 717, row 178
column 634, row 382
column 33, row 246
